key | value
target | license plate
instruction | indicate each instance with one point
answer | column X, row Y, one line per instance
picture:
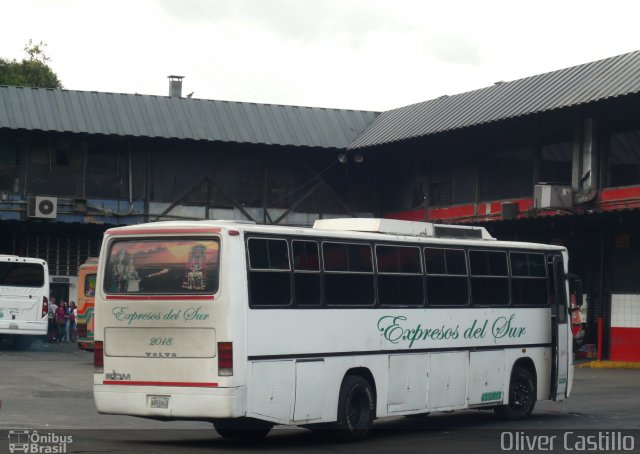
column 158, row 401
column 13, row 326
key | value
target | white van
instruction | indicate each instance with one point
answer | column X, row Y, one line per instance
column 24, row 299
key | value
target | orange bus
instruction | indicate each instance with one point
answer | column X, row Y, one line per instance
column 86, row 295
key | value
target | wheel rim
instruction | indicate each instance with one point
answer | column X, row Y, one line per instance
column 520, row 396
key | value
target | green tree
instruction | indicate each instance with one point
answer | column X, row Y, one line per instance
column 32, row 71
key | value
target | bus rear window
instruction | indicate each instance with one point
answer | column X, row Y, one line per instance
column 162, row 266
column 21, row 275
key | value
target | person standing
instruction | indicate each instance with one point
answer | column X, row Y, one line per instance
column 52, row 328
column 72, row 320
column 67, row 322
column 60, row 320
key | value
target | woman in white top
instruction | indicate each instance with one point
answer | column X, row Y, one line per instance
column 72, row 321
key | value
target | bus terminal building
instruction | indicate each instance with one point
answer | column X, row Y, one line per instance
column 551, row 158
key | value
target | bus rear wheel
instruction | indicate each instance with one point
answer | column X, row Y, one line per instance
column 356, row 409
column 522, row 396
column 243, row 428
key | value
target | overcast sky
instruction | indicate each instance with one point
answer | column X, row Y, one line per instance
column 354, row 54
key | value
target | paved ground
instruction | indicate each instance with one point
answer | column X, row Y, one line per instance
column 48, row 389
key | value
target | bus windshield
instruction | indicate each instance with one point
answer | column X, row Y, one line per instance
column 90, row 285
column 162, row 266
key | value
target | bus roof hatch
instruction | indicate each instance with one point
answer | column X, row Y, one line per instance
column 409, row 228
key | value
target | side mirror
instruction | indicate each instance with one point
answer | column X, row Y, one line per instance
column 575, row 289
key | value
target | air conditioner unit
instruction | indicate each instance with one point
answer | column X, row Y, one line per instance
column 42, row 207
column 553, row 196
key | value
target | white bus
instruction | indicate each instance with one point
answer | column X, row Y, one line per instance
column 328, row 327
column 24, row 299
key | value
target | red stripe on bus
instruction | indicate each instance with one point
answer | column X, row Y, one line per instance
column 162, row 298
column 162, row 231
column 160, row 383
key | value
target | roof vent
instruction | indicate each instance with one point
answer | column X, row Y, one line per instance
column 500, row 82
column 408, row 228
column 175, row 86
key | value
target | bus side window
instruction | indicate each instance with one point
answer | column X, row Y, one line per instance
column 306, row 273
column 489, row 278
column 399, row 276
column 348, row 274
column 552, row 282
column 528, row 279
column 447, row 277
column 269, row 272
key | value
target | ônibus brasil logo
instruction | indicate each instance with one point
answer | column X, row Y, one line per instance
column 32, row 442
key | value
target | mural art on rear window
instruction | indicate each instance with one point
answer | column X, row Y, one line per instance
column 163, row 266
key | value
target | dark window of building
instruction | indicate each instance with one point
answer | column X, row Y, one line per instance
column 399, row 276
column 440, row 194
column 465, row 177
column 348, row 274
column 9, row 166
column 489, row 278
column 269, row 274
column 529, row 279
column 625, row 262
column 55, row 168
column 555, row 162
column 624, row 157
column 63, row 254
column 202, row 175
column 452, row 175
column 306, row 273
column 506, row 173
column 446, row 277
column 250, row 190
column 107, row 170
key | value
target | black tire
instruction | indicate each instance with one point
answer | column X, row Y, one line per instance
column 522, row 396
column 243, row 428
column 356, row 409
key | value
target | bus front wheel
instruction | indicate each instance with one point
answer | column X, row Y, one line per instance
column 242, row 428
column 522, row 396
column 356, row 409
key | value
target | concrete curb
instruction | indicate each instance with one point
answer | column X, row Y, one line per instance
column 609, row 365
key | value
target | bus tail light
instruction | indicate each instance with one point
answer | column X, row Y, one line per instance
column 98, row 357
column 45, row 306
column 225, row 358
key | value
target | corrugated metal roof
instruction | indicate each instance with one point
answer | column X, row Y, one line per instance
column 178, row 118
column 615, row 76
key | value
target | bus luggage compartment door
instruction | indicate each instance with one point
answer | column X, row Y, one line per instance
column 407, row 382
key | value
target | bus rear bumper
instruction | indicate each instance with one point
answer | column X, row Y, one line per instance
column 33, row 328
column 182, row 403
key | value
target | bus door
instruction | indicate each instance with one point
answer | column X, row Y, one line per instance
column 559, row 330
